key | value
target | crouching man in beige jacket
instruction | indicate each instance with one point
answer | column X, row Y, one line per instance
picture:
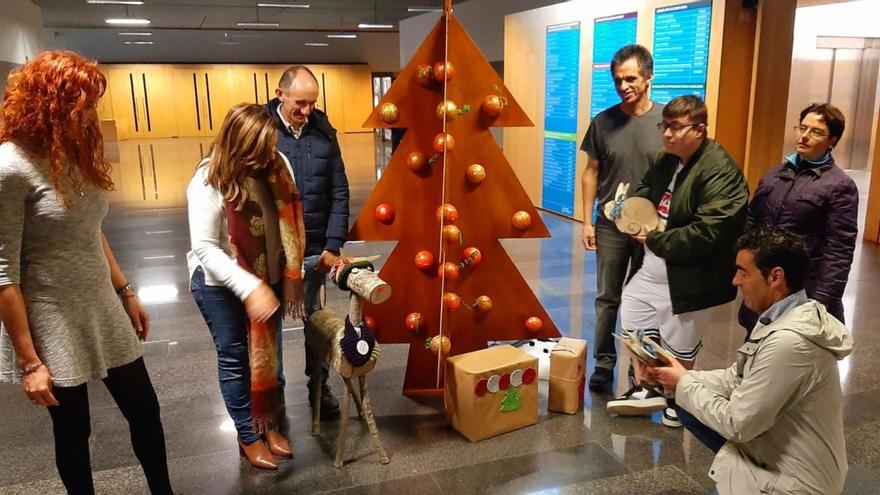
column 774, row 418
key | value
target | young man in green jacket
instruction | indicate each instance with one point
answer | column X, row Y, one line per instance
column 701, row 197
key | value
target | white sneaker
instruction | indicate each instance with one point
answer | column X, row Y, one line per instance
column 670, row 418
column 637, row 402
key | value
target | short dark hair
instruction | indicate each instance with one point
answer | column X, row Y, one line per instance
column 690, row 106
column 290, row 73
column 638, row 52
column 831, row 115
column 774, row 247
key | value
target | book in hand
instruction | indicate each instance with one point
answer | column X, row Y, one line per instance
column 648, row 352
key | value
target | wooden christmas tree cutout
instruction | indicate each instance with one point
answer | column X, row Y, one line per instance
column 403, row 206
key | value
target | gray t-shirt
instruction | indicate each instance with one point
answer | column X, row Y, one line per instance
column 625, row 147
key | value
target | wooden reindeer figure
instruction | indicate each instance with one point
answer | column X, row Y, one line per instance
column 348, row 347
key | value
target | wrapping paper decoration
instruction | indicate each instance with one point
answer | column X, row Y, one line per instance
column 491, row 391
column 568, row 365
column 541, row 349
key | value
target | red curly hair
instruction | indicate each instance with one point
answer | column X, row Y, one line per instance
column 49, row 108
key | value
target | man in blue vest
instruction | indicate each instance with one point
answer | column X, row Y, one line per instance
column 307, row 139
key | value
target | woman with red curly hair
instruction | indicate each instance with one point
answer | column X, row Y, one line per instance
column 69, row 314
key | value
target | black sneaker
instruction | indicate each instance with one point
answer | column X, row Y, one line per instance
column 637, row 401
column 601, row 380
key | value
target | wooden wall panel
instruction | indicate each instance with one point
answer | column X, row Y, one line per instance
column 176, row 111
column 872, row 218
column 357, row 97
column 771, row 72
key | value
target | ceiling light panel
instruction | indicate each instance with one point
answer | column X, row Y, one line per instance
column 367, row 25
column 283, row 5
column 258, row 24
column 115, row 2
column 128, row 22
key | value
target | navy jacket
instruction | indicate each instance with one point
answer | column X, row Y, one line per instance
column 821, row 204
column 320, row 179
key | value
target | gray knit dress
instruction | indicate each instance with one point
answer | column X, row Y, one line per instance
column 78, row 324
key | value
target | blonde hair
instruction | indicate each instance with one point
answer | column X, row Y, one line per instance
column 245, row 145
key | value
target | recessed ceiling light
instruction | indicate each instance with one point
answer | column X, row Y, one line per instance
column 284, row 5
column 138, row 42
column 348, row 36
column 425, row 9
column 366, row 25
column 115, row 2
column 257, row 24
column 229, row 42
column 135, row 34
column 316, row 44
column 128, row 22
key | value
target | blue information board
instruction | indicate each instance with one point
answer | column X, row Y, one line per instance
column 681, row 50
column 609, row 35
column 560, row 116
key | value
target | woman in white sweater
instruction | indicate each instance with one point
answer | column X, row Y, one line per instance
column 246, row 229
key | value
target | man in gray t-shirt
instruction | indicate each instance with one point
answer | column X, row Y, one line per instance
column 621, row 143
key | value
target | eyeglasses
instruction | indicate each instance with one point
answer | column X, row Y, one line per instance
column 675, row 127
column 811, row 131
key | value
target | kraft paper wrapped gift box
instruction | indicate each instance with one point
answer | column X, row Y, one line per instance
column 567, row 375
column 491, row 391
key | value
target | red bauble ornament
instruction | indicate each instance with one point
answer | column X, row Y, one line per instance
column 414, row 322
column 475, row 173
column 416, row 161
column 443, row 71
column 424, row 260
column 471, row 256
column 384, row 213
column 370, row 322
column 504, row 383
column 448, row 270
column 452, row 233
column 493, row 105
column 484, row 304
column 534, row 324
column 521, row 220
column 529, row 376
column 447, row 212
column 452, row 301
column 444, row 141
column 482, row 387
column 425, row 75
column 389, row 113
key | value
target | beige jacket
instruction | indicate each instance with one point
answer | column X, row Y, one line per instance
column 779, row 407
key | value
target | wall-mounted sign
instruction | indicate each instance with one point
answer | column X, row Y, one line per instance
column 560, row 116
column 609, row 35
column 681, row 50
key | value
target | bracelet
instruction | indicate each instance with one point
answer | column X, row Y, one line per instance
column 27, row 370
column 128, row 287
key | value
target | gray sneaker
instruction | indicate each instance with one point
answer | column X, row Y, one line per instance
column 637, row 401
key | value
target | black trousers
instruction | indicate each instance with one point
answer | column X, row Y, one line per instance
column 133, row 392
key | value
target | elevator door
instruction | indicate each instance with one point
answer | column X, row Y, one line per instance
column 843, row 71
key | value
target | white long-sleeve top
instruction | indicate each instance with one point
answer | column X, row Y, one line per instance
column 209, row 237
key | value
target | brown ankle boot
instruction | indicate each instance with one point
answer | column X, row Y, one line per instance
column 278, row 445
column 257, row 454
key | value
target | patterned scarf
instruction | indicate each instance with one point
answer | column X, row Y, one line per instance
column 247, row 238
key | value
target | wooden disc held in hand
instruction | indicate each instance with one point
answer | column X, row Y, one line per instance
column 638, row 216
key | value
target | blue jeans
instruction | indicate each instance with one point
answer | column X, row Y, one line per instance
column 312, row 283
column 708, row 436
column 227, row 320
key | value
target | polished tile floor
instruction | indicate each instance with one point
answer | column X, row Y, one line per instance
column 589, row 452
